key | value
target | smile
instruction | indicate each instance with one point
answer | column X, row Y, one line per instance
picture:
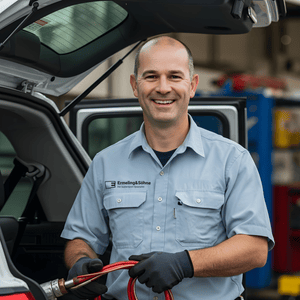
column 163, row 101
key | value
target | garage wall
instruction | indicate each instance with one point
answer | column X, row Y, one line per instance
column 271, row 51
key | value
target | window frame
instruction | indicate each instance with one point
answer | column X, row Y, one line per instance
column 231, row 112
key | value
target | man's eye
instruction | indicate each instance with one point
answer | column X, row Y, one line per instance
column 150, row 77
column 175, row 77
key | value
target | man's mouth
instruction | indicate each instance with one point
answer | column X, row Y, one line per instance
column 163, row 102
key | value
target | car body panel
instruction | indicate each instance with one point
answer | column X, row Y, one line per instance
column 8, row 282
column 54, row 74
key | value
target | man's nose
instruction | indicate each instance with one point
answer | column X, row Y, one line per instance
column 163, row 86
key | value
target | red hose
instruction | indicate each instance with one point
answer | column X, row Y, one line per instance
column 85, row 279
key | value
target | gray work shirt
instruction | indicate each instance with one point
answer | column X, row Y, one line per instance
column 209, row 191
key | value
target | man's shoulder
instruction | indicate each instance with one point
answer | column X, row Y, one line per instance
column 215, row 139
column 118, row 147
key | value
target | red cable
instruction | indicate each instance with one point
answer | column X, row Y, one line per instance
column 85, row 279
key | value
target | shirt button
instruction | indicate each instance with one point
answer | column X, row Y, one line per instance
column 119, row 200
column 198, row 200
column 158, row 228
column 159, row 199
column 161, row 173
column 155, row 298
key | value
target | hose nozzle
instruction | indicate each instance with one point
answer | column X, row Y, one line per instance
column 55, row 288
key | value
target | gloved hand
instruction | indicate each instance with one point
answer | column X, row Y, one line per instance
column 86, row 265
column 161, row 270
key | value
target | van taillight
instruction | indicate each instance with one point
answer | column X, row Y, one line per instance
column 20, row 296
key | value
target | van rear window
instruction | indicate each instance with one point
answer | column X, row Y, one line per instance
column 73, row 27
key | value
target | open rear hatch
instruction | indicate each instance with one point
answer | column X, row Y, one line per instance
column 60, row 42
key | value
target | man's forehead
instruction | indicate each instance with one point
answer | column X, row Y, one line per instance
column 157, row 53
column 170, row 71
column 162, row 53
column 162, row 45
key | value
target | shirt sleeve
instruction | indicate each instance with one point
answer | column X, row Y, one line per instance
column 245, row 210
column 87, row 218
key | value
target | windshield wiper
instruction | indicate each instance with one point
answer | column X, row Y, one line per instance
column 97, row 82
column 35, row 6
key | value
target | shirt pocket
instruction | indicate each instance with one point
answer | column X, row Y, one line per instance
column 198, row 217
column 125, row 212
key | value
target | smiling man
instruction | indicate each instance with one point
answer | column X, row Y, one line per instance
column 195, row 217
column 164, row 84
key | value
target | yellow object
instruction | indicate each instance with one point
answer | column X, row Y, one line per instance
column 289, row 285
column 282, row 133
column 286, row 128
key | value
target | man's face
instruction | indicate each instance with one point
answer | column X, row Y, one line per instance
column 163, row 86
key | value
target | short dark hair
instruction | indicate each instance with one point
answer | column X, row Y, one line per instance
column 155, row 41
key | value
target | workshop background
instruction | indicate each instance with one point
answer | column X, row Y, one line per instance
column 264, row 66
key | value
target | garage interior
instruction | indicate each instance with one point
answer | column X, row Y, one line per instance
column 265, row 61
column 262, row 65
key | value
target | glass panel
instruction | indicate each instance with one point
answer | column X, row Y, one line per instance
column 211, row 123
column 7, row 155
column 104, row 132
column 17, row 201
column 72, row 27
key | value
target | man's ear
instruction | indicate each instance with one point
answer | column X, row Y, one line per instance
column 194, row 84
column 133, row 85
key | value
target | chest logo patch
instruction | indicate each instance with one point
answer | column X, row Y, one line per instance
column 126, row 184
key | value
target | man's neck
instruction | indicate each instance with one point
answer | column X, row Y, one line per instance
column 165, row 138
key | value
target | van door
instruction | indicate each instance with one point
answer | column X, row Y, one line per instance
column 100, row 123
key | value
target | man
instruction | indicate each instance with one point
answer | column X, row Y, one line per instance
column 198, row 219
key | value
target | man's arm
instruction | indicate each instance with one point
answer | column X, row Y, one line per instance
column 161, row 270
column 237, row 255
column 76, row 249
column 81, row 259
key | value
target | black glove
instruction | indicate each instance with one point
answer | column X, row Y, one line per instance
column 86, row 265
column 161, row 270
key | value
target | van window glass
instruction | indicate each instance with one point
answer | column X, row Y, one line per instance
column 105, row 131
column 209, row 122
column 73, row 27
column 17, row 201
column 7, row 155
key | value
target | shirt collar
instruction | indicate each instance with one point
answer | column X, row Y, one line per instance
column 139, row 140
column 193, row 140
